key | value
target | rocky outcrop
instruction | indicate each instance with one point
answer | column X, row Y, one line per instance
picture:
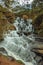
column 6, row 20
column 8, row 14
column 38, row 50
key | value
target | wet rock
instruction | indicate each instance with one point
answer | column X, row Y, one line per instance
column 25, row 17
column 3, row 51
column 39, row 56
column 1, row 39
column 38, row 51
column 41, row 62
column 27, row 33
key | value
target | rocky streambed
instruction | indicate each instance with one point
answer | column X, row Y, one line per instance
column 18, row 46
column 22, row 47
column 20, row 42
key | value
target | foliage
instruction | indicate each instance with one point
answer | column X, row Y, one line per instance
column 37, row 3
column 19, row 61
column 38, row 24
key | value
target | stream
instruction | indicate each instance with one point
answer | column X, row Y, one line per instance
column 19, row 46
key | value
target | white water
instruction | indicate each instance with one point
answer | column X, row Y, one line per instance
column 19, row 47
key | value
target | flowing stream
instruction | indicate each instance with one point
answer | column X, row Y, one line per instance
column 19, row 47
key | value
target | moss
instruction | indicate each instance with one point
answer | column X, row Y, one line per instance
column 2, row 16
column 38, row 17
column 41, row 25
column 3, row 9
column 21, row 13
column 40, row 32
column 38, row 24
column 19, row 61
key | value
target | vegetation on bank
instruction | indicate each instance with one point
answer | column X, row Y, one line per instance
column 38, row 24
column 7, row 18
column 6, row 21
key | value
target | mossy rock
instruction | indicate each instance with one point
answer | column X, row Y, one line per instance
column 6, row 20
column 2, row 16
column 38, row 24
column 8, row 14
column 38, row 19
column 40, row 33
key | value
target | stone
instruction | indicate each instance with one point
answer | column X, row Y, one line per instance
column 25, row 17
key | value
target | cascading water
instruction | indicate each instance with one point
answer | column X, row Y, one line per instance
column 19, row 46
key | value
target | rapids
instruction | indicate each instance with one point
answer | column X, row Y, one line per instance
column 17, row 46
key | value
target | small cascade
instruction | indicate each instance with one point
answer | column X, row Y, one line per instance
column 23, row 26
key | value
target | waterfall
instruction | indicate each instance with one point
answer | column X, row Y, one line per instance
column 18, row 47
